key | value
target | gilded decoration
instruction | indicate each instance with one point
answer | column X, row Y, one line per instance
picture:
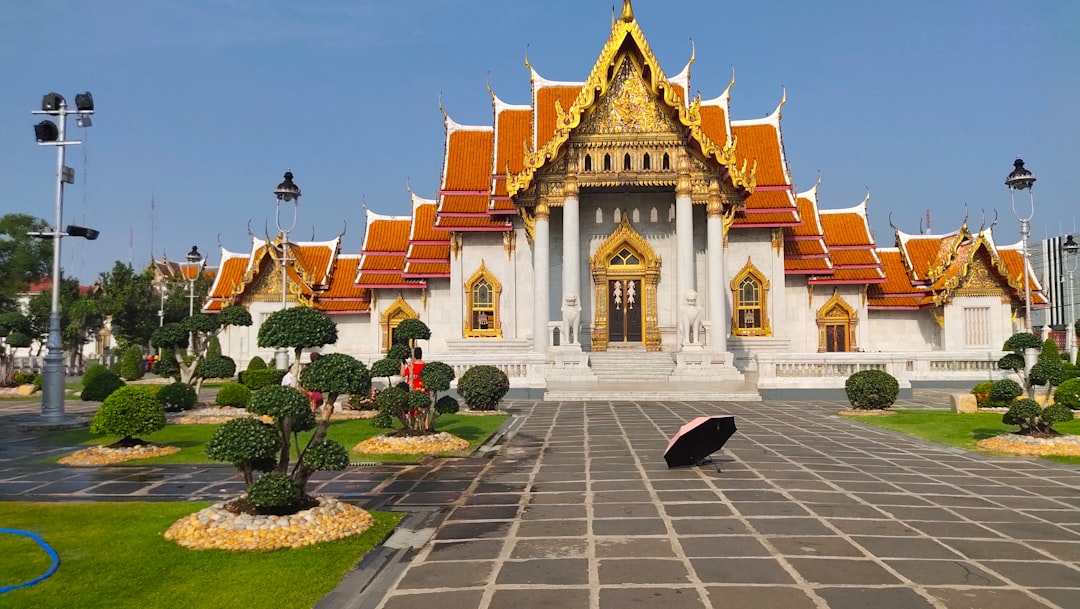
column 836, row 315
column 482, row 316
column 647, row 271
column 528, row 220
column 627, row 50
column 509, row 243
column 628, row 108
column 391, row 317
column 750, row 295
column 778, row 241
column 455, row 244
column 981, row 272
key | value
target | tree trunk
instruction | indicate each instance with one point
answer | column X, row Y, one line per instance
column 303, row 472
column 286, row 447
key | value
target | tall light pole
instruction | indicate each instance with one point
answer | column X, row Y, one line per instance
column 1022, row 179
column 190, row 268
column 49, row 133
column 286, row 193
column 1070, row 249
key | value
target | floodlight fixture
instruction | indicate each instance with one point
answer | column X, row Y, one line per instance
column 46, row 131
column 81, row 231
column 84, row 102
column 52, row 102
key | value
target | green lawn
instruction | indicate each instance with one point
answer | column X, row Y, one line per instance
column 192, row 439
column 961, row 430
column 113, row 555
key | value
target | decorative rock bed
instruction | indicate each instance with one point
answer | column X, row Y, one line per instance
column 212, row 415
column 1015, row 444
column 104, row 455
column 217, row 528
column 411, row 445
column 866, row 413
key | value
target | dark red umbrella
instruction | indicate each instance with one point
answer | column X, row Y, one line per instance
column 698, row 439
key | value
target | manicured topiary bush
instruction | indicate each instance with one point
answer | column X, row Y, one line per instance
column 871, row 390
column 233, row 394
column 38, row 382
column 129, row 411
column 483, row 387
column 132, row 366
column 91, row 372
column 166, row 366
column 982, row 393
column 101, row 385
column 1068, row 394
column 247, row 443
column 220, row 367
column 274, row 489
column 391, row 403
column 446, row 405
column 23, row 378
column 326, row 456
column 256, row 363
column 1033, row 419
column 266, row 377
column 1003, row 392
column 176, row 397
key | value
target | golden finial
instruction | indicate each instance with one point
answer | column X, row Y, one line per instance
column 867, row 198
column 627, row 11
column 783, row 100
column 487, row 83
column 363, row 202
column 527, row 64
column 408, row 187
column 445, row 116
column 732, row 83
column 818, row 179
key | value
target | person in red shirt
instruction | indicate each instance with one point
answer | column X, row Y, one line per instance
column 411, row 369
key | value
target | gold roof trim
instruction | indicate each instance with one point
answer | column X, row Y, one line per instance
column 597, row 85
column 996, row 262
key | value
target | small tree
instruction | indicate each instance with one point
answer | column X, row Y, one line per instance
column 333, row 375
column 298, row 328
column 132, row 367
column 15, row 332
column 1017, row 344
column 408, row 332
column 1068, row 394
column 483, row 387
column 871, row 389
column 1004, row 392
column 127, row 412
column 1049, row 370
column 1034, row 419
column 201, row 328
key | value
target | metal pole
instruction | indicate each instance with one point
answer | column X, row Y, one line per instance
column 1025, row 230
column 52, row 396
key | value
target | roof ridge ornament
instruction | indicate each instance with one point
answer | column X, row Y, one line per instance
column 627, row 11
column 732, row 83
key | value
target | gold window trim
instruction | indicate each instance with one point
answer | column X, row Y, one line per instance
column 393, row 315
column 836, row 311
column 751, row 271
column 648, row 272
column 494, row 329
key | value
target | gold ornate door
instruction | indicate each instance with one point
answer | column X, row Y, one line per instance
column 625, row 310
column 625, row 272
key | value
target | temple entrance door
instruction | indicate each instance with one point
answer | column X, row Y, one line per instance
column 836, row 338
column 624, row 304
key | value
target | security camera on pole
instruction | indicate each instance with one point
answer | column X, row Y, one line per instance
column 49, row 133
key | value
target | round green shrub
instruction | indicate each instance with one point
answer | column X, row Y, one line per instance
column 1024, row 413
column 177, row 396
column 390, row 403
column 129, row 411
column 23, row 378
column 38, row 381
column 419, row 399
column 1068, row 394
column 871, row 390
column 446, row 405
column 326, row 456
column 266, row 377
column 436, row 376
column 219, row 367
column 483, row 387
column 279, row 402
column 1056, row 413
column 166, row 366
column 91, row 372
column 273, row 490
column 386, row 367
column 244, row 440
column 982, row 393
column 233, row 394
column 132, row 366
column 256, row 363
column 1003, row 392
column 336, row 374
column 101, row 385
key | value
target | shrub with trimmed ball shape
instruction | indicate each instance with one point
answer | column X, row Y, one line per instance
column 1068, row 394
column 176, row 397
column 234, row 395
column 1056, row 413
column 336, row 374
column 279, row 402
column 446, row 405
column 247, row 443
column 220, row 367
column 256, row 363
column 274, row 489
column 871, row 390
column 326, row 457
column 1003, row 392
column 982, row 394
column 1034, row 419
column 259, row 378
column 297, row 328
column 91, row 372
column 101, row 385
column 391, row 403
column 132, row 367
column 483, row 387
column 129, row 411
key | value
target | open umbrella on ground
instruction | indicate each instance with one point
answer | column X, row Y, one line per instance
column 698, row 439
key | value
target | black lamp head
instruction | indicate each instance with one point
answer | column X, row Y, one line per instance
column 46, row 131
column 287, row 191
column 1070, row 246
column 1020, row 178
column 194, row 256
column 84, row 102
column 51, row 103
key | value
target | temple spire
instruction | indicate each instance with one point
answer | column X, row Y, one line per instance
column 627, row 11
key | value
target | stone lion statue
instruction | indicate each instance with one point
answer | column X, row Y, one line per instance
column 571, row 312
column 689, row 319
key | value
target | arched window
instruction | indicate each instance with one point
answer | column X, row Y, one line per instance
column 646, row 163
column 607, row 162
column 482, row 309
column 588, row 162
column 666, row 162
column 391, row 317
column 626, row 162
column 750, row 314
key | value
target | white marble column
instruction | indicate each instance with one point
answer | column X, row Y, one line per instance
column 684, row 234
column 571, row 239
column 541, row 277
column 718, row 319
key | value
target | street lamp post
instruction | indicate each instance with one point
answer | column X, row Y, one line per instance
column 190, row 268
column 1070, row 249
column 1022, row 179
column 286, row 193
column 49, row 133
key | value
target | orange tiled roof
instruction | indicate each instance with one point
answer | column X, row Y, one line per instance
column 544, row 97
column 775, row 219
column 427, row 269
column 341, row 307
column 897, row 281
column 472, row 223
column 386, row 233
column 464, row 204
column 760, row 141
column 802, row 247
column 513, row 127
column 714, row 122
column 341, row 285
column 230, row 274
column 468, row 158
column 846, row 227
column 850, row 258
column 428, row 253
column 803, row 266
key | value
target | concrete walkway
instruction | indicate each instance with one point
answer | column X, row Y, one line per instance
column 578, row 509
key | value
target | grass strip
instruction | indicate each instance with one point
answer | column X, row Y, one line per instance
column 113, row 555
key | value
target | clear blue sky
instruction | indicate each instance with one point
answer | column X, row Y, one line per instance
column 202, row 105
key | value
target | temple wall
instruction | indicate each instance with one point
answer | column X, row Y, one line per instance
column 997, row 316
column 901, row 331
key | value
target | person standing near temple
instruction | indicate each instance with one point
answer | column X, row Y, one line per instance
column 411, row 369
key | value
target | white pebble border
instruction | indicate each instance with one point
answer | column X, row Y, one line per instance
column 103, row 455
column 1029, row 445
column 412, row 445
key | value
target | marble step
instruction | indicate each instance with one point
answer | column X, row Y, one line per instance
column 659, row 395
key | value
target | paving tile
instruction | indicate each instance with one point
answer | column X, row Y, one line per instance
column 629, row 526
column 769, row 508
column 1038, row 574
column 484, row 512
column 725, row 546
column 446, row 575
column 873, row 598
column 457, row 599
column 556, row 498
column 904, row 547
column 553, row 512
column 709, row 526
column 789, row 526
column 552, row 572
column 1068, row 551
column 961, row 530
column 472, row 530
column 1063, row 597
column 682, row 510
column 842, row 571
column 487, row 549
column 1035, row 530
column 642, row 571
column 634, row 547
column 535, row 598
column 847, row 510
column 989, row 598
column 740, row 571
column 560, row 547
column 814, row 546
column 648, row 598
column 989, row 549
column 552, row 528
column 944, row 572
column 772, row 596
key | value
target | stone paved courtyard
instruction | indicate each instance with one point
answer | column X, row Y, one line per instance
column 578, row 509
